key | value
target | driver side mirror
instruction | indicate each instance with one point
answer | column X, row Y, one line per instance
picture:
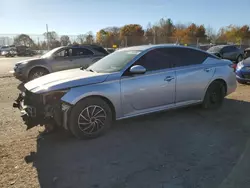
column 137, row 69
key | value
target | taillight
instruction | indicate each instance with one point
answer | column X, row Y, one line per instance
column 233, row 66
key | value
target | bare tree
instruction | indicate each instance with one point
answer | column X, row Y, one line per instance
column 211, row 34
column 65, row 40
column 81, row 39
column 89, row 38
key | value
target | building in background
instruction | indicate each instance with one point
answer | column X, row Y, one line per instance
column 6, row 41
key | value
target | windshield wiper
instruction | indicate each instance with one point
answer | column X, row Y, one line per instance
column 91, row 70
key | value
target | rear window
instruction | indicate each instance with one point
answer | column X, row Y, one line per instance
column 99, row 49
column 214, row 49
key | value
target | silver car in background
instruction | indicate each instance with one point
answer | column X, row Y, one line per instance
column 129, row 82
column 58, row 59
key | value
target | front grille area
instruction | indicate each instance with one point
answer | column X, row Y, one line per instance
column 247, row 76
column 33, row 99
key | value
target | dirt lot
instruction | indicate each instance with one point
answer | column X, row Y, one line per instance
column 184, row 148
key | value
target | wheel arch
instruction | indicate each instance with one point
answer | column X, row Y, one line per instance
column 111, row 105
column 104, row 98
column 37, row 67
column 221, row 80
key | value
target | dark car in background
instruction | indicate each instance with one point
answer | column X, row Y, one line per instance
column 24, row 51
column 247, row 53
column 243, row 71
column 229, row 52
column 58, row 59
column 110, row 50
column 7, row 48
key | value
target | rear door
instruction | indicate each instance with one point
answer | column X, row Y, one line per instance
column 62, row 60
column 235, row 52
column 230, row 52
column 82, row 57
column 152, row 90
column 192, row 76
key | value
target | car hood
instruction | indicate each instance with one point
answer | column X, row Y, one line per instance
column 214, row 53
column 64, row 80
column 23, row 62
column 246, row 62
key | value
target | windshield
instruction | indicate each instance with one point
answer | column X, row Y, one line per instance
column 113, row 62
column 49, row 53
column 214, row 49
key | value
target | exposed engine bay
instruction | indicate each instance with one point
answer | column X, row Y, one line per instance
column 42, row 109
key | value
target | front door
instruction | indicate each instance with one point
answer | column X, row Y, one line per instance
column 151, row 90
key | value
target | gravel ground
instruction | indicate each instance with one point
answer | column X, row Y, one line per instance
column 183, row 148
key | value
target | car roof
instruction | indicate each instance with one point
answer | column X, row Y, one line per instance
column 222, row 46
column 148, row 47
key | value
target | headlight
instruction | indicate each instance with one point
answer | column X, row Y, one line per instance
column 54, row 96
column 20, row 65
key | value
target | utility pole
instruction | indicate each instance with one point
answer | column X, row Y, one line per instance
column 48, row 41
column 154, row 35
column 197, row 42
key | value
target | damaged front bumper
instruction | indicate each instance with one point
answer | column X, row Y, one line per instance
column 34, row 112
column 28, row 113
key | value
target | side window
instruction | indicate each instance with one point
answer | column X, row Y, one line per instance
column 228, row 49
column 62, row 53
column 187, row 56
column 233, row 48
column 81, row 52
column 155, row 60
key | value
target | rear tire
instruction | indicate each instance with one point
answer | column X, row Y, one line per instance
column 90, row 118
column 240, row 58
column 37, row 72
column 214, row 96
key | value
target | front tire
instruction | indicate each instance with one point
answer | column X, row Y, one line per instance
column 214, row 96
column 37, row 72
column 90, row 118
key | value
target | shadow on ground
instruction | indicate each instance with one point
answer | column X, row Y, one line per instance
column 183, row 148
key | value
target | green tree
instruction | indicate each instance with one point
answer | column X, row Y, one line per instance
column 109, row 36
column 24, row 39
column 132, row 34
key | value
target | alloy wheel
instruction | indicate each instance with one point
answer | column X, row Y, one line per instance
column 92, row 119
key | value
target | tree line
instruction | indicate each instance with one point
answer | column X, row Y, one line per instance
column 164, row 31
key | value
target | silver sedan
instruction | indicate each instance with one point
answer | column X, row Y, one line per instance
column 129, row 82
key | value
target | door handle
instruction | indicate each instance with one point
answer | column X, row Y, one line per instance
column 207, row 69
column 169, row 78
